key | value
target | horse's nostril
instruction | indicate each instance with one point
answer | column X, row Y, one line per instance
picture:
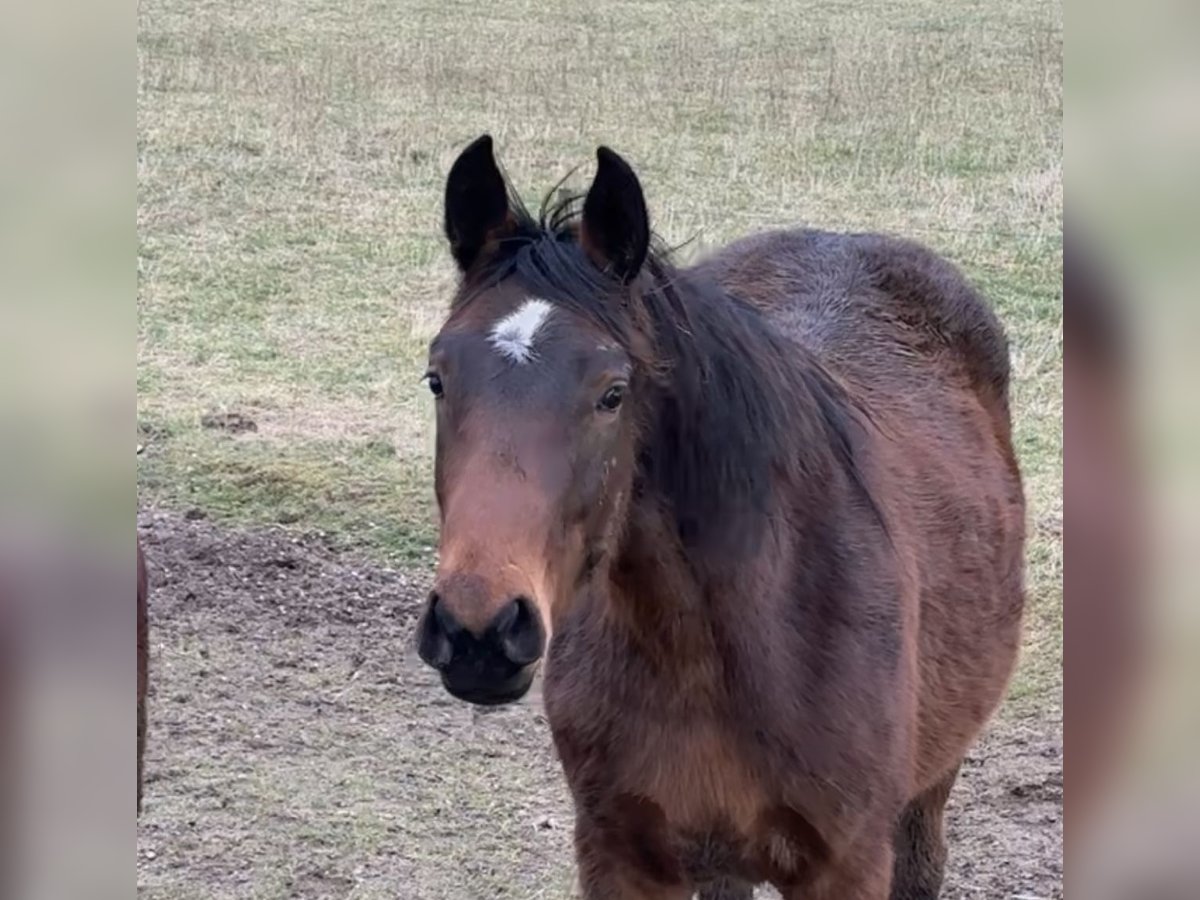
column 445, row 619
column 434, row 633
column 520, row 630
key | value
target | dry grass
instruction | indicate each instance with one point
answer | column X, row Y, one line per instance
column 290, row 163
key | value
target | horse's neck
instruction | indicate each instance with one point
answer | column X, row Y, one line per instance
column 661, row 593
column 673, row 595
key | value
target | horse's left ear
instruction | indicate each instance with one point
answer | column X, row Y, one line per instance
column 615, row 231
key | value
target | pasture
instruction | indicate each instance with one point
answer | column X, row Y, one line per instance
column 291, row 270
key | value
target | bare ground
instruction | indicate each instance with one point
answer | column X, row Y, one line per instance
column 298, row 749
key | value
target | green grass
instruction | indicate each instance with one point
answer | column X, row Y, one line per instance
column 291, row 158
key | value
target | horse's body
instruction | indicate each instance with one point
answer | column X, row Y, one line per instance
column 767, row 719
column 784, row 579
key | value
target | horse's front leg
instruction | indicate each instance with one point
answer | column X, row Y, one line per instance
column 625, row 867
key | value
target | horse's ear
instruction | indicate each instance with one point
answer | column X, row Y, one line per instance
column 476, row 202
column 615, row 231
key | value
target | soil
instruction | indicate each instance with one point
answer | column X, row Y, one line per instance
column 299, row 749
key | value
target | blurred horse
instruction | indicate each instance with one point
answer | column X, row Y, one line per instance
column 143, row 655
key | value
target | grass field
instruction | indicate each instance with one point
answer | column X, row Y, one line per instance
column 291, row 158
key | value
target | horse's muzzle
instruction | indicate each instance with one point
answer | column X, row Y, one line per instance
column 487, row 669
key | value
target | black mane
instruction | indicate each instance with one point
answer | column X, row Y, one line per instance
column 728, row 407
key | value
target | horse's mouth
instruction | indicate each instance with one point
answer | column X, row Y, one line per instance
column 492, row 693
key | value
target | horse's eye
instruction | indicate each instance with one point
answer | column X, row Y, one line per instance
column 435, row 383
column 612, row 398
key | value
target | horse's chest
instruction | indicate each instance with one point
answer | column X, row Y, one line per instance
column 681, row 802
column 622, row 723
column 664, row 780
column 695, row 775
column 710, row 813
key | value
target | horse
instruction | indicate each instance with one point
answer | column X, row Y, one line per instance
column 143, row 658
column 759, row 522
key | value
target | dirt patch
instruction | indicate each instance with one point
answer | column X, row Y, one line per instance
column 233, row 422
column 299, row 749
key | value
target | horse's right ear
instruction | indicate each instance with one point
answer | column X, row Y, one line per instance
column 477, row 210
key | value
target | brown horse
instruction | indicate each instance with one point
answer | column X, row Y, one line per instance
column 762, row 516
column 143, row 656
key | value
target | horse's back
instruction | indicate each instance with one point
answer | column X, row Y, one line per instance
column 883, row 311
column 900, row 327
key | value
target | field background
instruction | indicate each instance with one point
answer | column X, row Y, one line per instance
column 290, row 161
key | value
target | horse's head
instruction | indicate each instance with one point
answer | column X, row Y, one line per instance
column 534, row 375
